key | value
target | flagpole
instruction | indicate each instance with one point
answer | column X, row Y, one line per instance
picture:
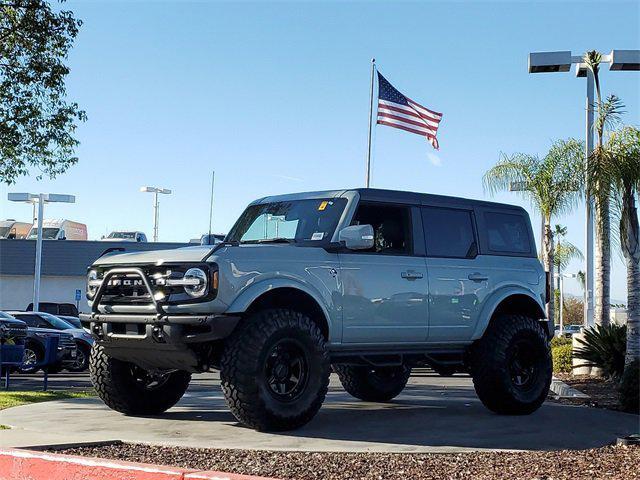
column 373, row 70
column 213, row 176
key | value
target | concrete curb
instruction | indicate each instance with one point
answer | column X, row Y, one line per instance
column 562, row 390
column 16, row 464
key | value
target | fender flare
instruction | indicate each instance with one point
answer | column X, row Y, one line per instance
column 496, row 299
column 244, row 300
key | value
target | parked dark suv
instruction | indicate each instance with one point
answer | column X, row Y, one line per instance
column 38, row 330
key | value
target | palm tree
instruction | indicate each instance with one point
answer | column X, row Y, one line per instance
column 600, row 188
column 552, row 184
column 565, row 251
column 624, row 172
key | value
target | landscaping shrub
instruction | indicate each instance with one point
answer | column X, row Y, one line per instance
column 629, row 388
column 605, row 348
column 559, row 341
column 562, row 356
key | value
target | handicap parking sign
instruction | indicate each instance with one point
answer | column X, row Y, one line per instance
column 78, row 294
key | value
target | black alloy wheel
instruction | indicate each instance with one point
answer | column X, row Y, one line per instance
column 286, row 370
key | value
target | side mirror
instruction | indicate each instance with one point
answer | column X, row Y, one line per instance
column 357, row 237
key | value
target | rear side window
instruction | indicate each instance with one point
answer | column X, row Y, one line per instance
column 507, row 233
column 448, row 232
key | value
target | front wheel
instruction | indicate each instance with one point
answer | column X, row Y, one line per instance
column 373, row 384
column 127, row 388
column 275, row 370
column 31, row 359
column 511, row 365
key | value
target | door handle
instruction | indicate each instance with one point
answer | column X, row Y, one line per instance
column 477, row 277
column 411, row 275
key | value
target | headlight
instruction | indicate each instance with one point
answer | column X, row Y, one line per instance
column 92, row 280
column 197, row 280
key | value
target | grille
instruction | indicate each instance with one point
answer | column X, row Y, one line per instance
column 17, row 331
column 129, row 288
column 66, row 341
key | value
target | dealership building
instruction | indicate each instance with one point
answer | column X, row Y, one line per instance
column 64, row 269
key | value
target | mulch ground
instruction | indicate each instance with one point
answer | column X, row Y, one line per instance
column 603, row 392
column 612, row 462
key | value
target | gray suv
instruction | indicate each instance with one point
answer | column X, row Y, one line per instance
column 367, row 282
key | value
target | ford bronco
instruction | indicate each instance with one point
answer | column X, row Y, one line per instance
column 367, row 282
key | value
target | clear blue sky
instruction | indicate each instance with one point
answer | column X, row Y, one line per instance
column 274, row 97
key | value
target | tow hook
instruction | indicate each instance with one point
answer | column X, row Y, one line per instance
column 158, row 334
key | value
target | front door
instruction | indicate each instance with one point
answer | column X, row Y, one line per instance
column 385, row 289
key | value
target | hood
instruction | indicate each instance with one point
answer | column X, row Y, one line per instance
column 49, row 330
column 185, row 254
column 12, row 322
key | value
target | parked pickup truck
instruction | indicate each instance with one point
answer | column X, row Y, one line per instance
column 369, row 283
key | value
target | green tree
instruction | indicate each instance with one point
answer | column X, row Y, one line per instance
column 552, row 184
column 623, row 149
column 36, row 121
column 599, row 187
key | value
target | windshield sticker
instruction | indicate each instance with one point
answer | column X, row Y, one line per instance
column 323, row 205
column 317, row 236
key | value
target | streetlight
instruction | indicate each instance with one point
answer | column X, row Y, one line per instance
column 551, row 62
column 156, row 206
column 40, row 199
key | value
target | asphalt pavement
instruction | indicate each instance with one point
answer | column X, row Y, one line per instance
column 433, row 414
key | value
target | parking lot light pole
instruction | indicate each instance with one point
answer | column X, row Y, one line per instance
column 156, row 205
column 552, row 62
column 40, row 199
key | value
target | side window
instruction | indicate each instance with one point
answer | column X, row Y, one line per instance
column 391, row 227
column 448, row 232
column 507, row 233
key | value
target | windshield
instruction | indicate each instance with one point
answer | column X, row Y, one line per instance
column 295, row 221
column 4, row 232
column 47, row 233
column 123, row 235
column 57, row 323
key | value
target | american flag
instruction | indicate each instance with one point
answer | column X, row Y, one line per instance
column 396, row 110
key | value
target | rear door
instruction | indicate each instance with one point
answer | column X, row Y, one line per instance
column 384, row 290
column 458, row 278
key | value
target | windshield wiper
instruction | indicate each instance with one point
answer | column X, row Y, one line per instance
column 271, row 240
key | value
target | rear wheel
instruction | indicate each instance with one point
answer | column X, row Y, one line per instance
column 373, row 384
column 131, row 390
column 511, row 365
column 275, row 370
column 81, row 362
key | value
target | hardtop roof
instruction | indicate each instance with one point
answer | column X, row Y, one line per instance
column 392, row 196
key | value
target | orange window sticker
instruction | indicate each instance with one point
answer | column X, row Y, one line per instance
column 323, row 205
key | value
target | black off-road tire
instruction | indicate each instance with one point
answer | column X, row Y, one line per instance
column 495, row 372
column 246, row 374
column 373, row 384
column 116, row 384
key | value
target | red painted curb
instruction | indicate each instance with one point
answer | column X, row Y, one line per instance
column 29, row 465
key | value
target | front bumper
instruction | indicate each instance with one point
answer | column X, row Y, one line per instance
column 159, row 341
